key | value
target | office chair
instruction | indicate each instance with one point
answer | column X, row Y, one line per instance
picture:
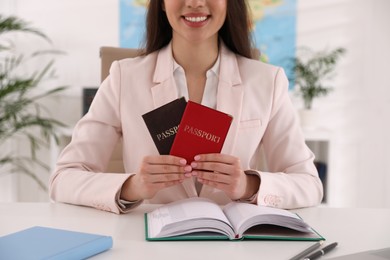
column 107, row 56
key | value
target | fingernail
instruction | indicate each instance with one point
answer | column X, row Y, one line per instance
column 188, row 168
column 183, row 162
column 188, row 174
column 194, row 164
column 197, row 157
column 194, row 174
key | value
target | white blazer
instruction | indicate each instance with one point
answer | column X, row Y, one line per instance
column 254, row 93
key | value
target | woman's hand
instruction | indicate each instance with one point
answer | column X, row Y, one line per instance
column 156, row 173
column 224, row 172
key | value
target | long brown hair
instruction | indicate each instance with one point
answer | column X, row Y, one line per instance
column 235, row 32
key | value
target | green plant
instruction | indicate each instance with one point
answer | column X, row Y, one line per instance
column 22, row 115
column 312, row 72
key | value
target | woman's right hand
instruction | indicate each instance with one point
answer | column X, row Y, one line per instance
column 156, row 173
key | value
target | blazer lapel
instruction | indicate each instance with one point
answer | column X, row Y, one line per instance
column 165, row 91
column 229, row 100
column 230, row 95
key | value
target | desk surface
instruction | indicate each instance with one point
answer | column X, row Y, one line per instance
column 355, row 230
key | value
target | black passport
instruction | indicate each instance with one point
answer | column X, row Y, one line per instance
column 163, row 123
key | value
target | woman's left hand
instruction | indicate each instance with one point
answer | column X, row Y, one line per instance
column 224, row 172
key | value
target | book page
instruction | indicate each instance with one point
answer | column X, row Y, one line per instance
column 243, row 216
column 186, row 216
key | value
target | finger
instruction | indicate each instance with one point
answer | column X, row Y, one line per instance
column 165, row 159
column 212, row 167
column 164, row 178
column 214, row 184
column 230, row 190
column 165, row 168
column 216, row 157
column 214, row 177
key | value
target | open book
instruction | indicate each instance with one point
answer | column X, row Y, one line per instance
column 200, row 218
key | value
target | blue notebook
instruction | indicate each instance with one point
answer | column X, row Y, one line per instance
column 50, row 243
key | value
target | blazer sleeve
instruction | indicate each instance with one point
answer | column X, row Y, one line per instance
column 292, row 179
column 80, row 177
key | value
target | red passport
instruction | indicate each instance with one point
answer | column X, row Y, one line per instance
column 202, row 130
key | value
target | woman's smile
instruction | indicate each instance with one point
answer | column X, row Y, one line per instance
column 197, row 20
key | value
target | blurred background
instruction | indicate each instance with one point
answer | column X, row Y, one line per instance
column 349, row 129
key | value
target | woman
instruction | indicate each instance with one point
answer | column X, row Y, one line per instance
column 199, row 49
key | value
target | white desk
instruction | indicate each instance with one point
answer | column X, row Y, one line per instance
column 354, row 229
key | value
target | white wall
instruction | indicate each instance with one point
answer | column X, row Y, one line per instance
column 356, row 112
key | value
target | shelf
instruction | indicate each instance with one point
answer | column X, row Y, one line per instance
column 316, row 134
column 319, row 142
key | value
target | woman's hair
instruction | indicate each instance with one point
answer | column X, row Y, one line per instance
column 235, row 32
